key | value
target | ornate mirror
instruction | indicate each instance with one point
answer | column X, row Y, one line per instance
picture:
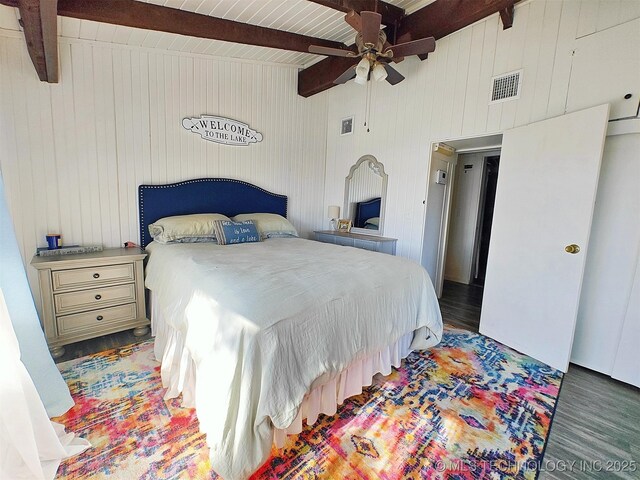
column 364, row 196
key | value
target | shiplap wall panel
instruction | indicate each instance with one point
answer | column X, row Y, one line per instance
column 563, row 59
column 500, row 65
column 531, row 55
column 543, row 70
column 486, row 72
column 514, row 61
column 473, row 78
column 597, row 16
column 72, row 154
column 447, row 97
column 461, row 80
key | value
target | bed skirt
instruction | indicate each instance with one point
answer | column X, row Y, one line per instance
column 178, row 372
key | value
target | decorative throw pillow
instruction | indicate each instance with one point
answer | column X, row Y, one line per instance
column 270, row 225
column 228, row 232
column 185, row 228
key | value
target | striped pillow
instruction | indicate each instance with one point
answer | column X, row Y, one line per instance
column 228, row 232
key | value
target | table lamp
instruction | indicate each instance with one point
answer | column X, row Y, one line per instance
column 334, row 215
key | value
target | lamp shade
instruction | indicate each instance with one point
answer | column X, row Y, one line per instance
column 360, row 80
column 334, row 212
column 379, row 73
column 362, row 71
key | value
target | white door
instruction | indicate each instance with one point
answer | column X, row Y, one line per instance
column 544, row 204
column 438, row 197
column 463, row 223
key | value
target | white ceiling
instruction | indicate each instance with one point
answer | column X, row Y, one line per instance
column 297, row 16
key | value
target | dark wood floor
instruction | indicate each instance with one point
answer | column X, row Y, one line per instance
column 95, row 345
column 596, row 429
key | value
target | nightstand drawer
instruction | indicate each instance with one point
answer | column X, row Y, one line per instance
column 96, row 319
column 92, row 276
column 94, row 298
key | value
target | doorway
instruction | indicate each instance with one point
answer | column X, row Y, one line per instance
column 442, row 180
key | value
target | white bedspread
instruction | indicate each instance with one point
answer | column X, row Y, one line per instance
column 263, row 321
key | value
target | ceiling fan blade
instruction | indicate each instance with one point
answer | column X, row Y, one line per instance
column 336, row 52
column 370, row 27
column 416, row 47
column 353, row 19
column 346, row 76
column 393, row 76
column 386, row 47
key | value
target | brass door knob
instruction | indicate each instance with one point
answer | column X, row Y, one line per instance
column 573, row 248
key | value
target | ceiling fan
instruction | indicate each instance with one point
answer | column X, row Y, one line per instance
column 374, row 50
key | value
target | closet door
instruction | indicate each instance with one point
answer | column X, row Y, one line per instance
column 542, row 220
column 613, row 255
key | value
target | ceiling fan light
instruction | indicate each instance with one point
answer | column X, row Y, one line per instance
column 379, row 73
column 360, row 80
column 362, row 70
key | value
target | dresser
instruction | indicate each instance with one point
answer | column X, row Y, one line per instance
column 357, row 240
column 91, row 294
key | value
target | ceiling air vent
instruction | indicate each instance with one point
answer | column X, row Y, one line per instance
column 506, row 87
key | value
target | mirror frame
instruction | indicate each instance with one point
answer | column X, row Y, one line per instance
column 383, row 194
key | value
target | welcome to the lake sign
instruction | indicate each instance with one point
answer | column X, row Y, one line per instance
column 222, row 130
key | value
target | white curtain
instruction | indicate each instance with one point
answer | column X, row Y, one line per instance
column 31, row 446
column 26, row 324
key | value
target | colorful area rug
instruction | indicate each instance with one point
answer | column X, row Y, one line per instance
column 469, row 408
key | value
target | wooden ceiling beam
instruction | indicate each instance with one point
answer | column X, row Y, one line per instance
column 39, row 21
column 391, row 15
column 320, row 76
column 506, row 16
column 132, row 13
column 443, row 17
column 438, row 19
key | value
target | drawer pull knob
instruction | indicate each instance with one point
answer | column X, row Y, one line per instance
column 96, row 275
column 99, row 317
column 98, row 297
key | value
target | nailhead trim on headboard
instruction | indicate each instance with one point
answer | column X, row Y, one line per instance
column 142, row 188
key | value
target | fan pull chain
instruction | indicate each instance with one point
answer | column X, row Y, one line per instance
column 367, row 108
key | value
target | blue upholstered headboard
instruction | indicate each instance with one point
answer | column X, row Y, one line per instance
column 367, row 210
column 204, row 195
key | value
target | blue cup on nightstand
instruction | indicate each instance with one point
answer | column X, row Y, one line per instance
column 54, row 241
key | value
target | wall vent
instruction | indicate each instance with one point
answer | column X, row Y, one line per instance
column 506, row 87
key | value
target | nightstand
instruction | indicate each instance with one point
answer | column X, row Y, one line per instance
column 367, row 242
column 91, row 294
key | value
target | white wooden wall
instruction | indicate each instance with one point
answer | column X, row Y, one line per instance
column 73, row 154
column 447, row 97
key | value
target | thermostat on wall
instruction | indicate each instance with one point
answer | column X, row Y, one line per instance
column 441, row 177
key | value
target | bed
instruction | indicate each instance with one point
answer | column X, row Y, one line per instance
column 260, row 336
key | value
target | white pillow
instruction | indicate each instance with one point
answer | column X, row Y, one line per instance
column 185, row 228
column 270, row 225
